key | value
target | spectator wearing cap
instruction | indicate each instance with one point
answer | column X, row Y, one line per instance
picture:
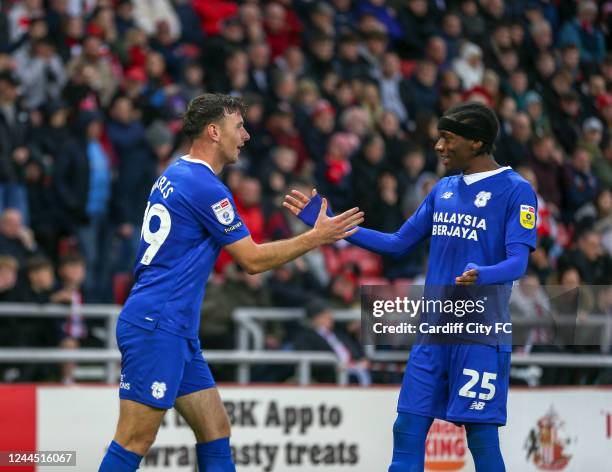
column 584, row 32
column 592, row 138
column 566, row 124
column 319, row 334
column 513, row 149
column 540, row 123
column 14, row 148
column 581, row 185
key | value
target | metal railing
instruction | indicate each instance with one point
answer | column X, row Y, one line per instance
column 250, row 337
column 243, row 359
column 108, row 312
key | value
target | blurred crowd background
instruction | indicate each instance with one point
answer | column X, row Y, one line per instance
column 343, row 95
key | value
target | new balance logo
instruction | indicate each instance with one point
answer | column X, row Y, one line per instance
column 477, row 406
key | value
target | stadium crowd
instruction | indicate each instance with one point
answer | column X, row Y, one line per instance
column 343, row 95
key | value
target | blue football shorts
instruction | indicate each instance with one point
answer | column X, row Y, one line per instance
column 458, row 383
column 157, row 366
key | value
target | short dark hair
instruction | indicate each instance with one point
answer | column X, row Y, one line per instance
column 479, row 116
column 209, row 108
column 38, row 262
column 71, row 258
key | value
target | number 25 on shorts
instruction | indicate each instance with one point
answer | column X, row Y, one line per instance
column 487, row 377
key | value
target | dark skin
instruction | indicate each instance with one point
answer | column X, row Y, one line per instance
column 458, row 154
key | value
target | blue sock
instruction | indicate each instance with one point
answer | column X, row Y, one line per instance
column 409, row 434
column 215, row 456
column 483, row 441
column 118, row 459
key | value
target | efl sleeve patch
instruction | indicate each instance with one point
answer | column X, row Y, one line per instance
column 224, row 211
column 527, row 216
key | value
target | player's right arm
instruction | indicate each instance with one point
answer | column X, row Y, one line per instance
column 255, row 258
column 397, row 244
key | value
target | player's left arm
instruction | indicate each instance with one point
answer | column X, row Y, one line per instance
column 520, row 240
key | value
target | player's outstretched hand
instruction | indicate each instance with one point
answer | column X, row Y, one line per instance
column 469, row 277
column 329, row 230
column 297, row 201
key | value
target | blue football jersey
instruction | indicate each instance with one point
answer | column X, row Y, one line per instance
column 189, row 217
column 474, row 223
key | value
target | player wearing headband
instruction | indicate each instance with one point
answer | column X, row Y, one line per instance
column 482, row 227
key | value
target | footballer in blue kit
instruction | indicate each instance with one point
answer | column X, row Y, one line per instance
column 481, row 224
column 189, row 218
